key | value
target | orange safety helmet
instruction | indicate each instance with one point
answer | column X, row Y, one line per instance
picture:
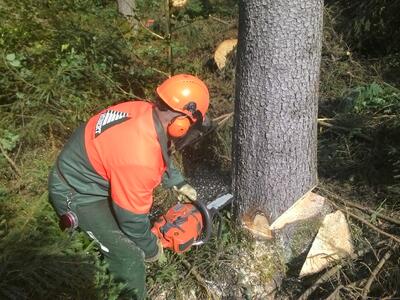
column 188, row 95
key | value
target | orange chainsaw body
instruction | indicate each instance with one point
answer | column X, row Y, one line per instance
column 180, row 227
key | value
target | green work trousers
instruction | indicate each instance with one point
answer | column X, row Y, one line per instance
column 125, row 260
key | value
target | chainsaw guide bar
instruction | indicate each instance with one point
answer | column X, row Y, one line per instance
column 220, row 202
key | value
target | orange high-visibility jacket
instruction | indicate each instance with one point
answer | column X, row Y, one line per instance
column 122, row 145
column 119, row 152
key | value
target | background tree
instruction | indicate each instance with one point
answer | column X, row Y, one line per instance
column 277, row 78
column 126, row 7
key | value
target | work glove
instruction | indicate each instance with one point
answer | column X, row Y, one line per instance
column 156, row 257
column 186, row 190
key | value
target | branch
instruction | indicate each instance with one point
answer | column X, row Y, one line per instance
column 330, row 273
column 391, row 236
column 199, row 278
column 374, row 273
column 222, row 118
column 218, row 19
column 10, row 161
column 361, row 135
column 360, row 207
column 321, row 280
column 147, row 29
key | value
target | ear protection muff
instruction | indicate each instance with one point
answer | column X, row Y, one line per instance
column 179, row 126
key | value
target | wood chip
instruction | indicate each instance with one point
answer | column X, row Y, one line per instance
column 332, row 243
column 222, row 52
column 306, row 207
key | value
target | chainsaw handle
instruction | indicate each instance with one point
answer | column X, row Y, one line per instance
column 206, row 220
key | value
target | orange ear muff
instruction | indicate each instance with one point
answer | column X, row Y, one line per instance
column 179, row 126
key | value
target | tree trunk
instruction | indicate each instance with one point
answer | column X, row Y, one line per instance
column 277, row 78
column 126, row 7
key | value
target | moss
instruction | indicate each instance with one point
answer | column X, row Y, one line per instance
column 272, row 265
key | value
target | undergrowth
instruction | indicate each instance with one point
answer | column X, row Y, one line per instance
column 62, row 61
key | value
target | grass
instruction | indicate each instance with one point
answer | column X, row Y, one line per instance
column 61, row 61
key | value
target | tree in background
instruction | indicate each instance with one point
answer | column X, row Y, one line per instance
column 277, row 79
column 126, row 7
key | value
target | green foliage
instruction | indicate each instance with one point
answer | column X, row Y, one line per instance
column 374, row 98
column 371, row 26
column 60, row 61
column 39, row 262
column 8, row 140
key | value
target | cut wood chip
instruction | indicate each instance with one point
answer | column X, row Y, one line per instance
column 306, row 207
column 178, row 3
column 332, row 242
column 222, row 52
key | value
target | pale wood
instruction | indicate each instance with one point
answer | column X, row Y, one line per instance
column 178, row 3
column 333, row 242
column 308, row 206
column 222, row 52
column 374, row 274
column 258, row 227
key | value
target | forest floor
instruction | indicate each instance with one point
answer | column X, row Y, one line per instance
column 61, row 61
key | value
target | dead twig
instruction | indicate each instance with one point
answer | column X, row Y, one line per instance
column 391, row 236
column 13, row 165
column 374, row 274
column 332, row 272
column 361, row 135
column 335, row 294
column 199, row 278
column 360, row 207
column 321, row 280
column 147, row 29
column 218, row 20
column 222, row 117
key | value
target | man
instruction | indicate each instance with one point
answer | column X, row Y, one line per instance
column 104, row 178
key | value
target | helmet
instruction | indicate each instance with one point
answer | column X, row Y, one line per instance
column 188, row 95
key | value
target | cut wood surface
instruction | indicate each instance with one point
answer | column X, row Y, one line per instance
column 222, row 52
column 306, row 207
column 178, row 3
column 332, row 242
column 258, row 226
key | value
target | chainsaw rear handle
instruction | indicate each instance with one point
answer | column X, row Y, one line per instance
column 207, row 222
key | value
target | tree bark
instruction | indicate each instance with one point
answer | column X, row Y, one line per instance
column 275, row 128
column 126, row 7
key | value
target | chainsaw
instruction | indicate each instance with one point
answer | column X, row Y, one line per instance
column 188, row 224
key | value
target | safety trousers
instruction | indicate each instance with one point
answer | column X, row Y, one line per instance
column 125, row 260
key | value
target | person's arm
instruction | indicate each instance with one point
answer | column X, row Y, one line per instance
column 174, row 179
column 132, row 197
column 172, row 176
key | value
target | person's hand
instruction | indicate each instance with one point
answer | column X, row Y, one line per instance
column 156, row 257
column 186, row 190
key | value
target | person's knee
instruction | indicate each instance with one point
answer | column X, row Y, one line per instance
column 126, row 263
column 127, row 252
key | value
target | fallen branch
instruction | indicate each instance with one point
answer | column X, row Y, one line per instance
column 333, row 271
column 199, row 278
column 374, row 273
column 320, row 281
column 223, row 117
column 391, row 236
column 13, row 165
column 147, row 29
column 360, row 207
column 218, row 19
column 361, row 135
